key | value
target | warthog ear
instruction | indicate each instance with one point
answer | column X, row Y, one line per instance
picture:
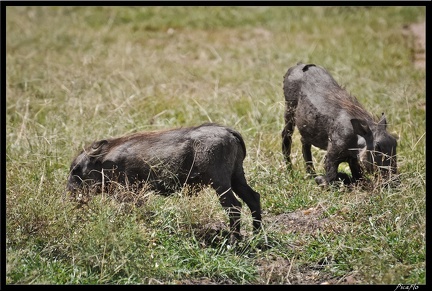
column 360, row 127
column 382, row 124
column 96, row 147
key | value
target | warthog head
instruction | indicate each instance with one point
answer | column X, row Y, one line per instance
column 378, row 153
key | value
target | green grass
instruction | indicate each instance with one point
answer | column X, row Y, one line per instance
column 78, row 74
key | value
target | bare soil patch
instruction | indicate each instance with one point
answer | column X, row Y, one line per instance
column 418, row 30
column 309, row 221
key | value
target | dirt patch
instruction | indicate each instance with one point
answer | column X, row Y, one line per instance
column 418, row 30
column 286, row 271
column 275, row 269
column 303, row 221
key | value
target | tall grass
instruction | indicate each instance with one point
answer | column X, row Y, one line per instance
column 78, row 74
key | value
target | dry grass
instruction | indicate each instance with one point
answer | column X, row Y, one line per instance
column 78, row 74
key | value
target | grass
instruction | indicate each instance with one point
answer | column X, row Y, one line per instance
column 78, row 74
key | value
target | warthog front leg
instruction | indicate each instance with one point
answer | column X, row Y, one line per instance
column 356, row 170
column 331, row 164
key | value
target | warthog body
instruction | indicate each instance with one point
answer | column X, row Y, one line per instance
column 209, row 154
column 329, row 118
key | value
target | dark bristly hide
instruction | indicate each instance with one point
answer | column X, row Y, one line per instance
column 166, row 161
column 329, row 118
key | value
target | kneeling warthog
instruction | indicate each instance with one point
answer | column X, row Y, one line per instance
column 328, row 117
column 166, row 161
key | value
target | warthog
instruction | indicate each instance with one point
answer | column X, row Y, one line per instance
column 329, row 118
column 166, row 161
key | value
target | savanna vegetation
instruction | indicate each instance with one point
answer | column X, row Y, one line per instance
column 79, row 74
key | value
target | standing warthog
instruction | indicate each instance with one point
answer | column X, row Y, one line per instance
column 209, row 154
column 328, row 117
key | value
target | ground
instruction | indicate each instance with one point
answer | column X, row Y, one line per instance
column 279, row 270
column 310, row 220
